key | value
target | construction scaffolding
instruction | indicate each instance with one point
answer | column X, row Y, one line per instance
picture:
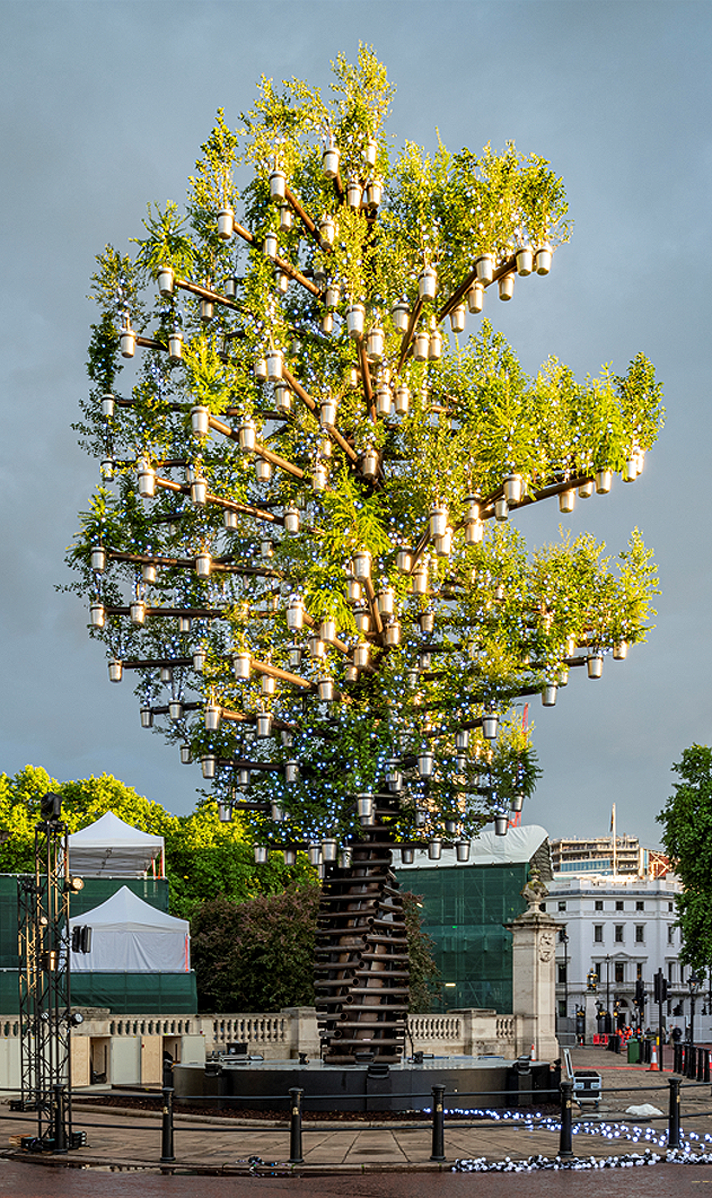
column 45, row 1012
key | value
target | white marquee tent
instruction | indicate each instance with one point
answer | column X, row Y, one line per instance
column 518, row 846
column 110, row 848
column 130, row 936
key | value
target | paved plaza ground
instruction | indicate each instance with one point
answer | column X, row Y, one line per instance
column 130, row 1139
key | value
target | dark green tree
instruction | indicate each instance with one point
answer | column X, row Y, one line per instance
column 259, row 955
column 687, row 838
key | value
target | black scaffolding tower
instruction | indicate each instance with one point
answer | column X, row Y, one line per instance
column 45, row 1012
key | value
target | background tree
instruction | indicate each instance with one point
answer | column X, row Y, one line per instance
column 259, row 955
column 687, row 838
column 205, row 857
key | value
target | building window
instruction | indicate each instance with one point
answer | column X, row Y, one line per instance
column 670, row 907
column 671, row 934
column 620, row 973
column 671, row 971
column 618, row 935
column 597, row 970
column 619, row 904
column 562, row 974
column 598, row 905
column 598, row 933
column 639, row 972
column 562, row 1008
column 639, row 905
column 562, row 905
column 640, row 933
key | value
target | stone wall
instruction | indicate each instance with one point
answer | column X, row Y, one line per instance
column 110, row 1049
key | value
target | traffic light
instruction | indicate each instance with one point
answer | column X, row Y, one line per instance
column 640, row 993
column 660, row 987
column 51, row 808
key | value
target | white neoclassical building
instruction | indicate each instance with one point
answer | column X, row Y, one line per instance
column 619, row 927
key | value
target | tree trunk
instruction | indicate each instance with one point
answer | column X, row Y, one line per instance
column 361, row 970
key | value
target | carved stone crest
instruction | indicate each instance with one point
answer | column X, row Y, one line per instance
column 546, row 946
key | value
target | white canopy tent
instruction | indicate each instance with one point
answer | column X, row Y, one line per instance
column 518, row 846
column 110, row 848
column 130, row 936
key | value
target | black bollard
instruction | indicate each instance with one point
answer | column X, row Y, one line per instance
column 438, row 1153
column 60, row 1139
column 295, row 1127
column 567, row 1093
column 167, row 1156
column 674, row 1115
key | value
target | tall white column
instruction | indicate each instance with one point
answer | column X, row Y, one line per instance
column 533, row 976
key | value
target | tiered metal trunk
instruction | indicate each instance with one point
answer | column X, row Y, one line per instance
column 362, row 957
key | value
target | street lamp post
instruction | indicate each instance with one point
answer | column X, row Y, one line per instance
column 694, row 983
column 565, row 938
column 608, row 993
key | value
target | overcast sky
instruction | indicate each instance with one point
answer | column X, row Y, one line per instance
column 104, row 106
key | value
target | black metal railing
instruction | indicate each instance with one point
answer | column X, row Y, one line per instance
column 562, row 1097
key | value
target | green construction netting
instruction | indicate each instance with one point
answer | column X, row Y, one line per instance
column 122, row 993
column 137, row 993
column 96, row 891
column 463, row 911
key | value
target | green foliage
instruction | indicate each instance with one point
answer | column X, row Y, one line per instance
column 258, row 955
column 425, row 978
column 507, row 619
column 204, row 857
column 687, row 838
column 212, row 188
column 102, row 367
column 167, row 243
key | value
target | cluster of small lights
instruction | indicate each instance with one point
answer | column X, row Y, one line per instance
column 696, row 1149
column 429, row 661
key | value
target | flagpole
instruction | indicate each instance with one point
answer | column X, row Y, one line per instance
column 613, row 830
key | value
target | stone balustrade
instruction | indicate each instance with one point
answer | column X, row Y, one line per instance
column 129, row 1049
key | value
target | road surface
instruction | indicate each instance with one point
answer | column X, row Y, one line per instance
column 35, row 1180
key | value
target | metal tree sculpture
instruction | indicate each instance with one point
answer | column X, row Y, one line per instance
column 302, row 530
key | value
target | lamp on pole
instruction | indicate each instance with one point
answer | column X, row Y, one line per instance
column 563, row 937
column 694, row 982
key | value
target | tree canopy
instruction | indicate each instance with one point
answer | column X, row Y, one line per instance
column 205, row 857
column 299, row 546
column 259, row 955
column 687, row 838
